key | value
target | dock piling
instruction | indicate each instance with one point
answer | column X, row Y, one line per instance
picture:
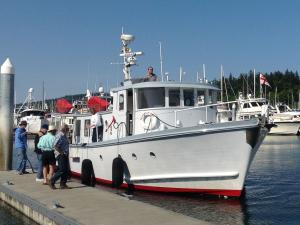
column 6, row 114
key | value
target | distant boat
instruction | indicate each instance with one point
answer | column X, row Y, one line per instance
column 34, row 117
column 287, row 121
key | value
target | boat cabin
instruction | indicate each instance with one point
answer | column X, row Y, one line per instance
column 145, row 107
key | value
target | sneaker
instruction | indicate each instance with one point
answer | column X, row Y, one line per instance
column 52, row 186
column 64, row 186
column 39, row 180
column 25, row 172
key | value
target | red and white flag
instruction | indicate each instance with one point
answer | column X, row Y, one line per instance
column 263, row 80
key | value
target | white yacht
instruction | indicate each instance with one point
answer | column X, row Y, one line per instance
column 287, row 121
column 34, row 117
column 158, row 137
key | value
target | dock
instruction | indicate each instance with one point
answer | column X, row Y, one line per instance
column 81, row 205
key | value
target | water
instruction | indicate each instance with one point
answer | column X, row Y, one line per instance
column 272, row 191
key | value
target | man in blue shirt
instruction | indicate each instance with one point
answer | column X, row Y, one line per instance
column 21, row 147
column 61, row 146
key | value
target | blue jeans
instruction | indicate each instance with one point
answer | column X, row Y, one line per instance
column 39, row 174
column 22, row 159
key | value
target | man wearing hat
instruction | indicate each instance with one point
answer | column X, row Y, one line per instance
column 46, row 144
column 21, row 147
column 38, row 151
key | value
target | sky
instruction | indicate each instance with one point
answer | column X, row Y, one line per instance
column 70, row 45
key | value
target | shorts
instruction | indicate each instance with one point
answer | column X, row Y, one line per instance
column 48, row 158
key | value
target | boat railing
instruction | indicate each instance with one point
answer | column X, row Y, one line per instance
column 206, row 107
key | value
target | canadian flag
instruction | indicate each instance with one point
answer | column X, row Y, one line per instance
column 263, row 80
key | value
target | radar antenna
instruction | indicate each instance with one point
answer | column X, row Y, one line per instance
column 129, row 57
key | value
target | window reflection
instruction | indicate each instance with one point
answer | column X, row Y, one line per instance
column 174, row 97
column 151, row 98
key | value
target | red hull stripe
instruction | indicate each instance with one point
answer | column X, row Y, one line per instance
column 233, row 193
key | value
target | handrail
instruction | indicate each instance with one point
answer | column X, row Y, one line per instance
column 203, row 106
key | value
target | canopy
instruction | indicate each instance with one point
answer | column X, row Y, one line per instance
column 63, row 106
column 97, row 103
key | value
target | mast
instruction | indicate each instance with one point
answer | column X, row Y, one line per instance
column 204, row 75
column 161, row 62
column 129, row 58
column 254, row 82
column 43, row 104
column 221, row 83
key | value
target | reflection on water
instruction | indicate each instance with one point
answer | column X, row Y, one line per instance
column 272, row 190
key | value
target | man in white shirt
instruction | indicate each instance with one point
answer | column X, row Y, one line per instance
column 96, row 125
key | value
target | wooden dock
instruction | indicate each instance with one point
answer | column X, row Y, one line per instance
column 81, row 205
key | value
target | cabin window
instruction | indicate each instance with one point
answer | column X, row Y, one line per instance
column 151, row 98
column 200, row 97
column 174, row 97
column 246, row 105
column 77, row 129
column 121, row 102
column 210, row 97
column 87, row 124
column 188, row 96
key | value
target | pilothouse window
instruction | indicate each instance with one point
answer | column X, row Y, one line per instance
column 174, row 97
column 121, row 102
column 151, row 98
column 188, row 96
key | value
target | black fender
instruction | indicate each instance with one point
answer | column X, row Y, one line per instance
column 117, row 172
column 87, row 173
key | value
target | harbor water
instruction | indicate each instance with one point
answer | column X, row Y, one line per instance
column 272, row 191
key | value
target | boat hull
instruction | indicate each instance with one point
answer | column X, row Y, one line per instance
column 208, row 159
column 286, row 128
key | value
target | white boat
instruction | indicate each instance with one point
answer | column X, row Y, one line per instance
column 287, row 121
column 157, row 138
column 34, row 117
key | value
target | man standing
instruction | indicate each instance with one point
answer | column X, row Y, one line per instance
column 46, row 144
column 96, row 125
column 21, row 147
column 38, row 151
column 61, row 146
column 150, row 75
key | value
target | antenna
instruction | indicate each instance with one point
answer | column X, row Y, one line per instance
column 204, row 75
column 129, row 57
column 221, row 83
column 161, row 62
column 254, row 81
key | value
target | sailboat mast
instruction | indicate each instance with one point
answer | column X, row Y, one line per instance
column 161, row 62
column 221, row 83
column 254, row 83
column 43, row 104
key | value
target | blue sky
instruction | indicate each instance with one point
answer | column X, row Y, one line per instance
column 70, row 44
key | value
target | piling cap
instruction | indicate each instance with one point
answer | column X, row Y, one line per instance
column 7, row 67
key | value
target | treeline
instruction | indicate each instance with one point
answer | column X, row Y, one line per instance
column 285, row 86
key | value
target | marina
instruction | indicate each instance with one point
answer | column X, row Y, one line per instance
column 150, row 112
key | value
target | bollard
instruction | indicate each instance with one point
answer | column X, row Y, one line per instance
column 6, row 114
